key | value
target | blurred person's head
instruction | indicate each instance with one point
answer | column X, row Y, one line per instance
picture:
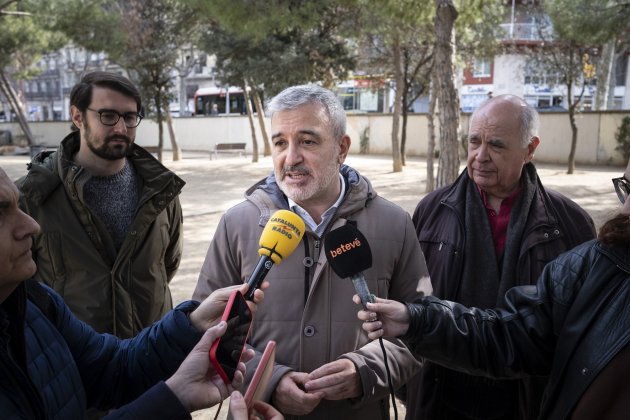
column 16, row 231
column 616, row 231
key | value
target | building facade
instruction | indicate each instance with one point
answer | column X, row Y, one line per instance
column 515, row 73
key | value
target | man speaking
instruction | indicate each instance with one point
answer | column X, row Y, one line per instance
column 325, row 365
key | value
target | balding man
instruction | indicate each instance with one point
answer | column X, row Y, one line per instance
column 494, row 228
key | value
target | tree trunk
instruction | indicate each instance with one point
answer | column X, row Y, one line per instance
column 573, row 102
column 405, row 110
column 261, row 121
column 183, row 100
column 604, row 72
column 177, row 151
column 158, row 106
column 448, row 99
column 431, row 126
column 572, row 106
column 250, row 117
column 574, row 133
column 398, row 76
column 16, row 106
column 403, row 134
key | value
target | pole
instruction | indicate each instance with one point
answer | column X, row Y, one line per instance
column 512, row 21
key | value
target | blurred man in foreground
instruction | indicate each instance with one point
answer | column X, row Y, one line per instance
column 54, row 366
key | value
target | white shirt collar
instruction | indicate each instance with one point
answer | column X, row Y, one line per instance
column 326, row 216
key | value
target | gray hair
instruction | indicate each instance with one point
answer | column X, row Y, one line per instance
column 528, row 118
column 296, row 96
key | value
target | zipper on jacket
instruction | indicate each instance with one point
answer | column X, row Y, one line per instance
column 317, row 251
column 306, row 269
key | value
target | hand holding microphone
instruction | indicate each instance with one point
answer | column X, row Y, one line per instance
column 281, row 235
column 349, row 254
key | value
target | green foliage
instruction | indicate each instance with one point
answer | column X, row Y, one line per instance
column 23, row 41
column 589, row 21
column 272, row 49
column 142, row 37
column 477, row 28
column 93, row 24
column 257, row 18
column 623, row 139
column 152, row 37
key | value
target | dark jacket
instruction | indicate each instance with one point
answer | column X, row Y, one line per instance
column 561, row 327
column 555, row 224
column 118, row 292
column 54, row 366
column 308, row 309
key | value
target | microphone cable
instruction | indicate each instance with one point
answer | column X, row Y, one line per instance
column 389, row 379
column 348, row 253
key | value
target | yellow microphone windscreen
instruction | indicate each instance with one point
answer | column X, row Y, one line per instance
column 281, row 235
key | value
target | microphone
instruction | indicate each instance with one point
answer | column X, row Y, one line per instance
column 349, row 254
column 281, row 235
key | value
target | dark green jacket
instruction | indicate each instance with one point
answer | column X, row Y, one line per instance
column 115, row 292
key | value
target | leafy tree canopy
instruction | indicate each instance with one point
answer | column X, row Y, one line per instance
column 590, row 21
column 273, row 49
column 22, row 40
column 92, row 24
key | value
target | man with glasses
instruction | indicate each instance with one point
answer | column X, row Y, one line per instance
column 111, row 237
column 572, row 326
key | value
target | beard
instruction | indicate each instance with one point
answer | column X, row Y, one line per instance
column 106, row 150
column 315, row 187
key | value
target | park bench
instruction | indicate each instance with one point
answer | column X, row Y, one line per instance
column 238, row 148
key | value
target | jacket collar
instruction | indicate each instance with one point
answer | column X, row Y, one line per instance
column 455, row 196
column 48, row 170
column 618, row 254
column 268, row 197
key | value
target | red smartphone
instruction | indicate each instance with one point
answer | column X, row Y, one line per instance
column 261, row 377
column 226, row 351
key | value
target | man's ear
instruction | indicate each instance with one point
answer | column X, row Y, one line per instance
column 77, row 117
column 531, row 148
column 344, row 148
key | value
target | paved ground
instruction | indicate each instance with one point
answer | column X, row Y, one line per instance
column 213, row 186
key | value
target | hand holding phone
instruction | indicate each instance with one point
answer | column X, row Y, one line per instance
column 226, row 351
column 260, row 380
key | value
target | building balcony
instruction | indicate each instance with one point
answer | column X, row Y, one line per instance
column 526, row 32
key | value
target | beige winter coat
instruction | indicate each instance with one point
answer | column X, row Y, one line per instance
column 308, row 310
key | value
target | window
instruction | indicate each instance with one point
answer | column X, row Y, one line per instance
column 481, row 68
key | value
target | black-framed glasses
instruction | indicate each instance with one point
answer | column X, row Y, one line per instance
column 622, row 187
column 110, row 117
